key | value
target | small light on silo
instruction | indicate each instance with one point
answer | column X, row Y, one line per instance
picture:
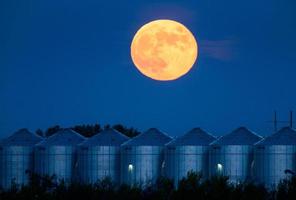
column 130, row 167
column 219, row 168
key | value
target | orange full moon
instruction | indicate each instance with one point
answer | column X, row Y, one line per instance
column 164, row 50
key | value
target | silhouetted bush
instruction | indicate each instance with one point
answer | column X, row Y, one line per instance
column 190, row 187
column 250, row 190
column 287, row 189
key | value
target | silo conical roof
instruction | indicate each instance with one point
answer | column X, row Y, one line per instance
column 63, row 137
column 152, row 137
column 195, row 137
column 22, row 137
column 240, row 136
column 109, row 137
column 285, row 136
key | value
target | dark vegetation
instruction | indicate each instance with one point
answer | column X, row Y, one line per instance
column 191, row 187
column 90, row 130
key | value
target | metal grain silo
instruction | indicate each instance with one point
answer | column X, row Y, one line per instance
column 99, row 157
column 16, row 158
column 57, row 155
column 142, row 158
column 189, row 152
column 232, row 155
column 275, row 157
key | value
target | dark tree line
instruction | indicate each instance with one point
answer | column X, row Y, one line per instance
column 191, row 187
column 90, row 130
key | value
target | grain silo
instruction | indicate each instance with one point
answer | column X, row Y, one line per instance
column 142, row 158
column 275, row 157
column 99, row 157
column 189, row 152
column 232, row 155
column 57, row 155
column 16, row 158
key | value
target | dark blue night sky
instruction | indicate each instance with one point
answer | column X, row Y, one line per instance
column 68, row 62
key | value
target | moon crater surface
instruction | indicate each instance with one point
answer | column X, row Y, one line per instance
column 164, row 50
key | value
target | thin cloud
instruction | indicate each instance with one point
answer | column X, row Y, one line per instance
column 218, row 49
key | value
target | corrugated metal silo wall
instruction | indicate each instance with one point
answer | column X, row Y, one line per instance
column 179, row 160
column 235, row 161
column 16, row 165
column 98, row 162
column 58, row 161
column 272, row 161
column 141, row 165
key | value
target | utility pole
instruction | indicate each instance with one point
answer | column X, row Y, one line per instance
column 291, row 119
column 275, row 121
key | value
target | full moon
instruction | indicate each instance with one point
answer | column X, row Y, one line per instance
column 164, row 50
